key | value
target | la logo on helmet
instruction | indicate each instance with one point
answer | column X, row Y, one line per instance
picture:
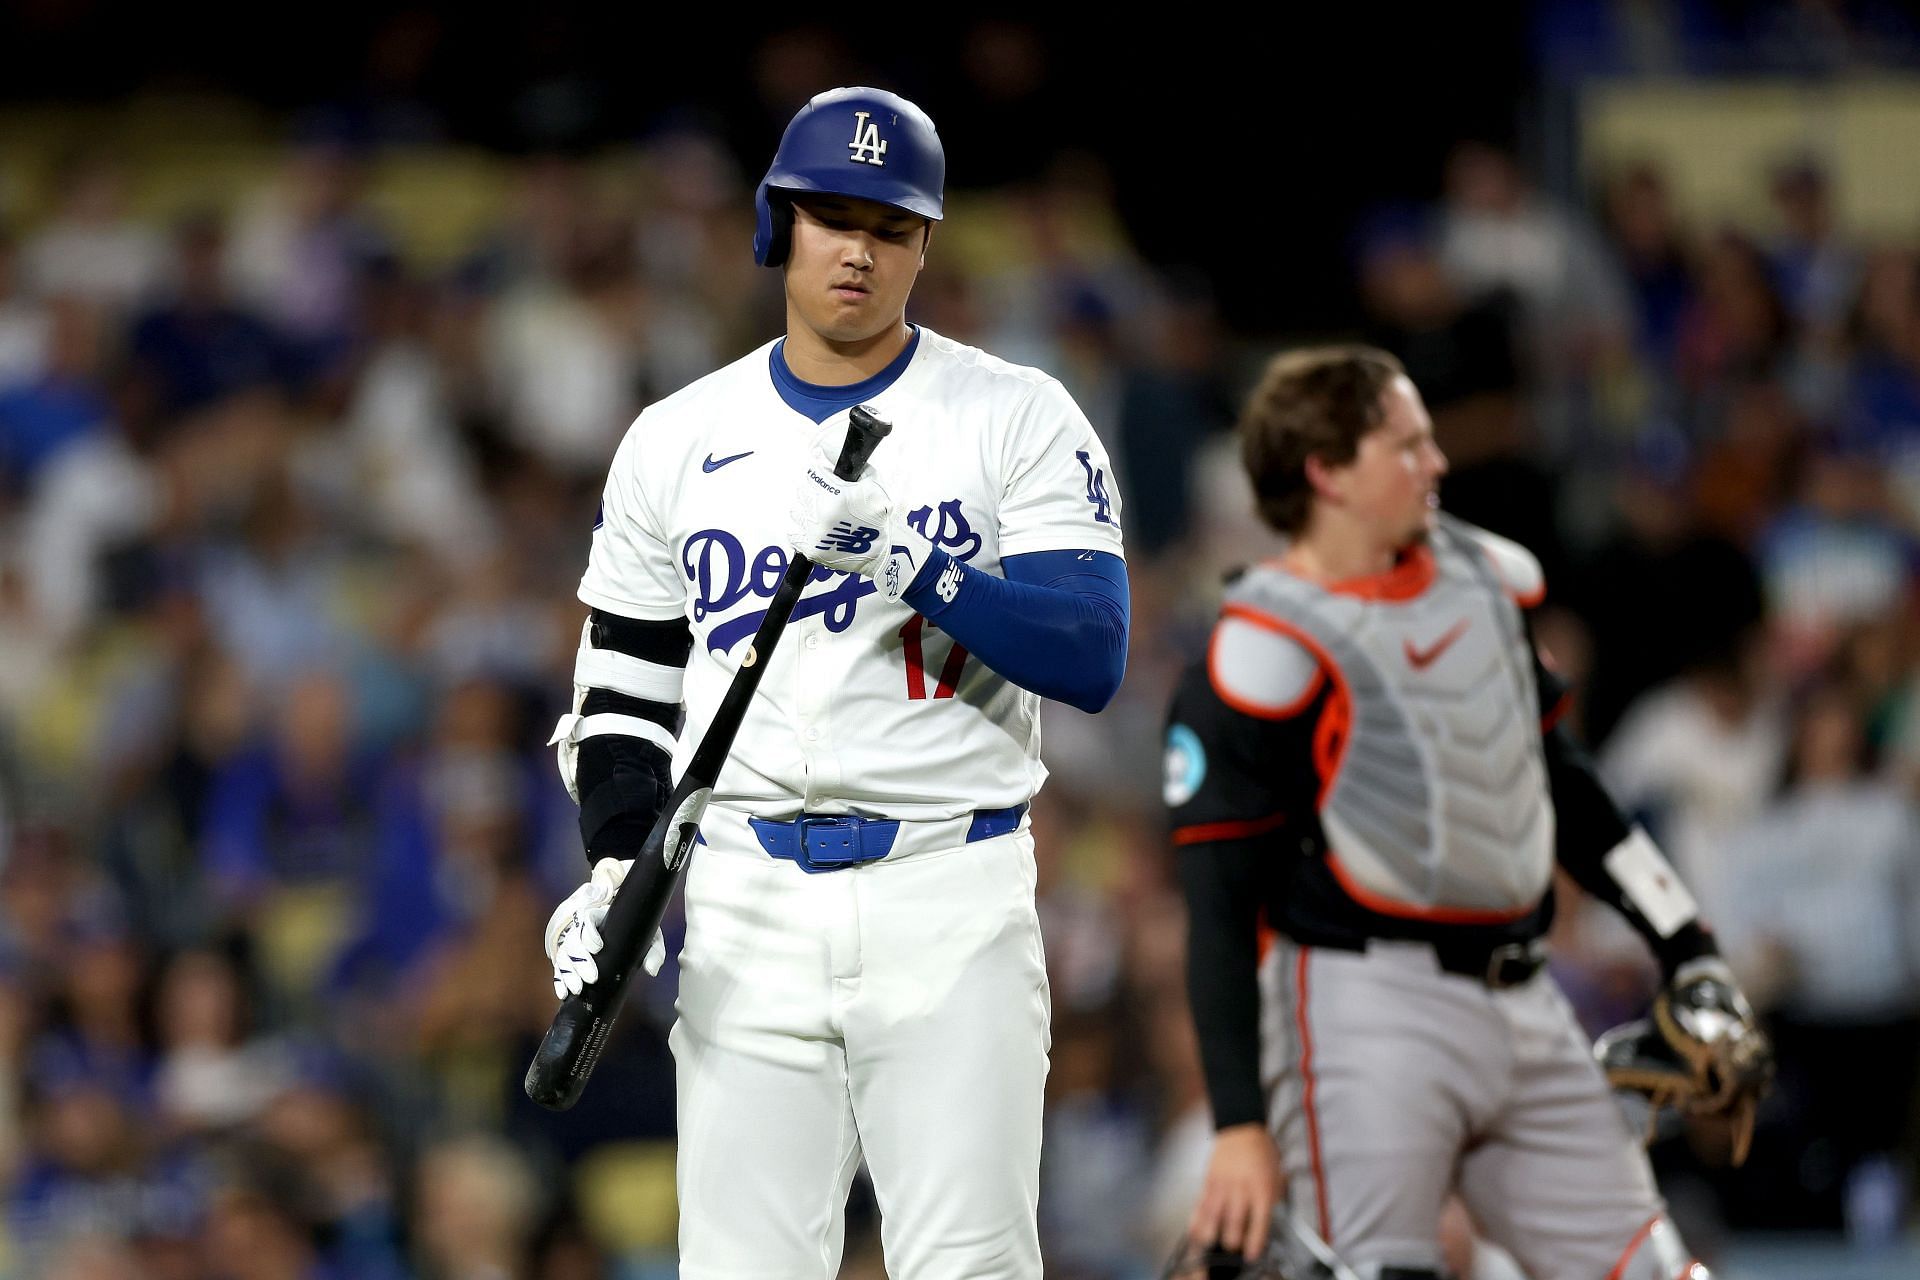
column 867, row 145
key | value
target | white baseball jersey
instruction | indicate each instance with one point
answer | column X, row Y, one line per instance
column 866, row 708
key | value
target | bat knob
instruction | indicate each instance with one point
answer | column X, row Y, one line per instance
column 865, row 430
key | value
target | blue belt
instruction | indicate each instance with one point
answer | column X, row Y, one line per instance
column 835, row 841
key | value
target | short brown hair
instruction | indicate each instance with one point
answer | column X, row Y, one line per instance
column 1313, row 403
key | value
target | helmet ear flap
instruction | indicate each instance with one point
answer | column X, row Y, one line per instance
column 774, row 236
column 781, row 210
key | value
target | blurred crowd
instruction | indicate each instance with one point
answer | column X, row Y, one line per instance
column 290, row 526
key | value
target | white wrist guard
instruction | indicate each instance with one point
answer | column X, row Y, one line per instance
column 1649, row 882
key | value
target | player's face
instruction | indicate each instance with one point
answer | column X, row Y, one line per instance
column 1392, row 484
column 852, row 265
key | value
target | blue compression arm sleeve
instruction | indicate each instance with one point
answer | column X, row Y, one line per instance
column 1056, row 624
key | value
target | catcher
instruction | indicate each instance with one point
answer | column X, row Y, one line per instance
column 1369, row 794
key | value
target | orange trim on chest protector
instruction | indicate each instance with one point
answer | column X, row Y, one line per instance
column 1247, row 707
column 1383, row 905
column 1408, row 579
column 1331, row 734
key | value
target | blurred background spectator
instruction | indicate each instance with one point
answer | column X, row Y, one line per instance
column 311, row 366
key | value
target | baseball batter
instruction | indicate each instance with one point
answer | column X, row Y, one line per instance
column 862, row 973
column 1366, row 769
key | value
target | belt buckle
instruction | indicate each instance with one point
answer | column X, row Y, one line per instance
column 842, row 852
column 1522, row 959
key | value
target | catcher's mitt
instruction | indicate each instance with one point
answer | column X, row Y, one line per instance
column 1701, row 1054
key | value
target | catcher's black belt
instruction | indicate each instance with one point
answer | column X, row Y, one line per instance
column 1497, row 964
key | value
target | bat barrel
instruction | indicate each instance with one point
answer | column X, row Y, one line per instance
column 569, row 1051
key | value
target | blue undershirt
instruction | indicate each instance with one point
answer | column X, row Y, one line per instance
column 1056, row 624
column 820, row 403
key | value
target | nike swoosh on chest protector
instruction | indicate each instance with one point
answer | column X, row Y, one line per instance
column 1421, row 659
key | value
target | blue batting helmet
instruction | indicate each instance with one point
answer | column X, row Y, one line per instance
column 864, row 143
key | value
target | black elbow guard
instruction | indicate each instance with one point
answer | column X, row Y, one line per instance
column 623, row 784
column 616, row 744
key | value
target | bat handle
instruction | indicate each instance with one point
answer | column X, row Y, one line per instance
column 865, row 431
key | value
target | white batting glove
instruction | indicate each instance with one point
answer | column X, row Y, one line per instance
column 854, row 526
column 573, row 930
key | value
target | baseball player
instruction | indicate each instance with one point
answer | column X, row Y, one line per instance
column 1369, row 795
column 862, row 973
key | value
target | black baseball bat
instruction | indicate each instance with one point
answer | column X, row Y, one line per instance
column 572, row 1046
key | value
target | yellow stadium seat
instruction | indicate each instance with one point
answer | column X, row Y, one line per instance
column 171, row 179
column 626, row 1194
column 439, row 201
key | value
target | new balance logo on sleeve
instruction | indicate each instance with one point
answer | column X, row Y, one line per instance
column 949, row 584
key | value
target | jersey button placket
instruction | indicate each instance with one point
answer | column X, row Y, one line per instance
column 809, row 703
column 813, row 689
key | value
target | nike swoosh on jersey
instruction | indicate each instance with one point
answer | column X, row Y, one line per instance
column 1421, row 659
column 712, row 464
